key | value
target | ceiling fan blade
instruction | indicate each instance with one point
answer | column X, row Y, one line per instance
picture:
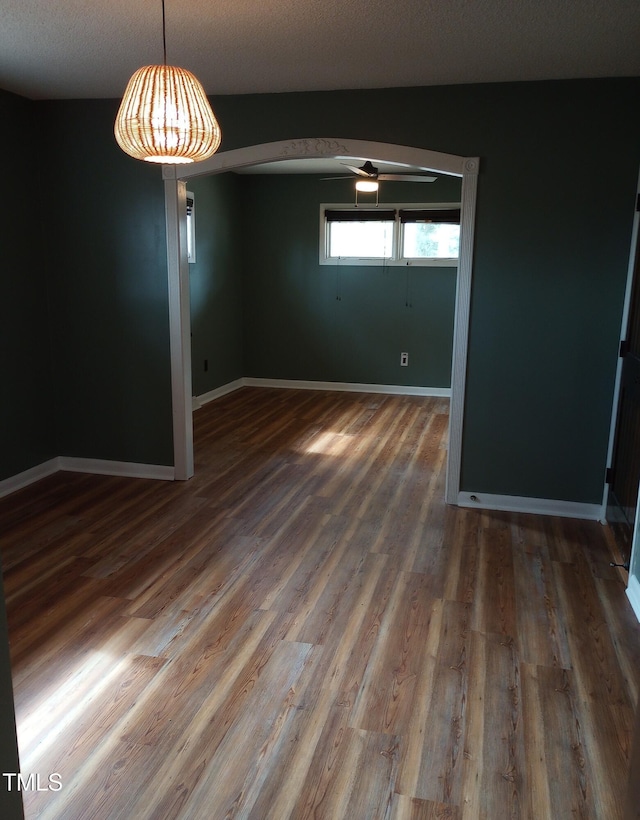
column 406, row 178
column 324, row 179
column 367, row 170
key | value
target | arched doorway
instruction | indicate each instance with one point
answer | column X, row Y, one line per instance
column 341, row 149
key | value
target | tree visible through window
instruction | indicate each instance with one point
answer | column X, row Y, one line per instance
column 432, row 240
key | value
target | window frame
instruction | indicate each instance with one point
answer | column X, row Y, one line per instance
column 191, row 228
column 396, row 259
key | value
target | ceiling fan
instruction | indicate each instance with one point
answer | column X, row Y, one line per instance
column 369, row 171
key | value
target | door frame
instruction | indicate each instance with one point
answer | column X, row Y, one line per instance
column 623, row 335
column 633, row 589
column 175, row 178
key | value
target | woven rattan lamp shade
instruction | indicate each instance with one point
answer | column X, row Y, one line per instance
column 165, row 117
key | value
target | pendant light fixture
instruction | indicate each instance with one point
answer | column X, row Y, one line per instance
column 165, row 115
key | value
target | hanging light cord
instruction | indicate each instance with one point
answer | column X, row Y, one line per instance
column 164, row 35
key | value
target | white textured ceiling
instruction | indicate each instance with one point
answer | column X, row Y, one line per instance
column 82, row 48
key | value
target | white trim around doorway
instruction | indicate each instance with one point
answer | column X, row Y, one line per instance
column 466, row 168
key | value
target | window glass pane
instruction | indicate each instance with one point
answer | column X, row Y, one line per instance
column 191, row 228
column 362, row 240
column 431, row 240
column 189, row 236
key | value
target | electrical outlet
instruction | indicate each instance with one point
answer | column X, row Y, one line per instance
column 404, row 359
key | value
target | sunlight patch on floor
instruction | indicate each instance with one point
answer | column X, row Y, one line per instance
column 40, row 724
column 330, row 444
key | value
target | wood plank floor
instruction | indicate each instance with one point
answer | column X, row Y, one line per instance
column 305, row 630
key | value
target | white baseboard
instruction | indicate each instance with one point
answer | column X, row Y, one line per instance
column 24, row 479
column 350, row 387
column 633, row 594
column 198, row 401
column 84, row 465
column 132, row 470
column 536, row 506
column 126, row 469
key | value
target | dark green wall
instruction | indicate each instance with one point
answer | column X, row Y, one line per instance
column 215, row 281
column 548, row 290
column 26, row 407
column 26, row 419
column 106, row 245
column 340, row 323
column 555, row 206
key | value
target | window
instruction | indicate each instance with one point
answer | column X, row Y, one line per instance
column 391, row 235
column 191, row 227
column 360, row 234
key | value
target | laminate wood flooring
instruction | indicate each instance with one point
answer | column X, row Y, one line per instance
column 306, row 630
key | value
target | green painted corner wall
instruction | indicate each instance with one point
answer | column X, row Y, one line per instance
column 27, row 425
column 546, row 312
column 215, row 283
column 340, row 323
column 106, row 243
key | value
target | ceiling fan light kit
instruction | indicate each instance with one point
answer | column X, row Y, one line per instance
column 367, row 185
column 369, row 172
column 165, row 115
